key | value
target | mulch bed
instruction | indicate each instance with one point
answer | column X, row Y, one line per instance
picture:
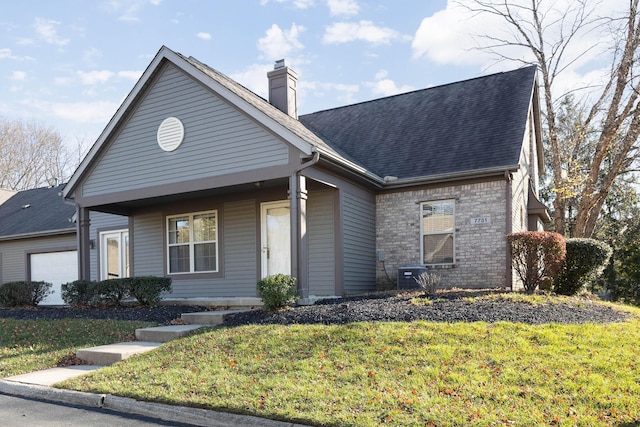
column 447, row 306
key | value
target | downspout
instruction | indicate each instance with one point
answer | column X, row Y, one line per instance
column 299, row 245
column 508, row 227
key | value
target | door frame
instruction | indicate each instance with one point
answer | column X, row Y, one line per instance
column 123, row 256
column 263, row 233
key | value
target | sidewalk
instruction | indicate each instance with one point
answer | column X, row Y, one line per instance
column 36, row 385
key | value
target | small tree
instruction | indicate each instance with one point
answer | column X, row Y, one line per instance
column 537, row 256
column 585, row 260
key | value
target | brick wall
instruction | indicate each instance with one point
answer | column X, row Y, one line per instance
column 480, row 249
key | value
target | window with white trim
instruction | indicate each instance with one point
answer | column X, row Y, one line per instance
column 437, row 229
column 192, row 241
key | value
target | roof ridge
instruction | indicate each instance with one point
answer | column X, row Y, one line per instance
column 421, row 90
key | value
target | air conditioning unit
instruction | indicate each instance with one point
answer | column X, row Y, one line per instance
column 408, row 275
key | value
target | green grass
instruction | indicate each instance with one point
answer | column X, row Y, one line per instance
column 32, row 345
column 402, row 374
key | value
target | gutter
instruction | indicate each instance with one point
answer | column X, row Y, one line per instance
column 49, row 233
column 444, row 177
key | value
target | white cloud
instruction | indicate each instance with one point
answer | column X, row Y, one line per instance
column 343, row 7
column 278, row 43
column 46, row 29
column 298, row 4
column 383, row 86
column 254, row 77
column 6, row 53
column 94, row 77
column 129, row 10
column 80, row 112
column 18, row 75
column 23, row 41
column 130, row 74
column 344, row 32
column 203, row 36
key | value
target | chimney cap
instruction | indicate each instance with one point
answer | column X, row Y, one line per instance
column 278, row 64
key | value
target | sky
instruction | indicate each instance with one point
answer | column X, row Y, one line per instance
column 69, row 64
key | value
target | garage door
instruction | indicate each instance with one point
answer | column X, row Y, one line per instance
column 56, row 268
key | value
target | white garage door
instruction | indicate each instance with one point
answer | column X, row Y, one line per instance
column 56, row 268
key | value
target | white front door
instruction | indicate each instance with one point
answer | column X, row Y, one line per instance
column 276, row 238
column 114, row 254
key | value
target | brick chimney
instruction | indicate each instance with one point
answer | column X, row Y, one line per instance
column 283, row 85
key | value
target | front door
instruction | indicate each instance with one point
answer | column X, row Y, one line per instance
column 276, row 238
column 114, row 254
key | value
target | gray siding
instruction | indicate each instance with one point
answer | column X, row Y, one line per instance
column 238, row 241
column 359, row 234
column 218, row 140
column 14, row 253
column 148, row 244
column 98, row 222
column 322, row 257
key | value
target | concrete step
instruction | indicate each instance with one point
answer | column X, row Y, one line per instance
column 164, row 333
column 208, row 317
column 112, row 353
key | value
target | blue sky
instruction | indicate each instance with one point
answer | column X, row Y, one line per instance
column 69, row 64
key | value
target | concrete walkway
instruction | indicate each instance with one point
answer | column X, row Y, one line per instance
column 37, row 385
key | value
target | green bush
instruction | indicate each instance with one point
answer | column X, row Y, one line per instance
column 111, row 292
column 277, row 291
column 148, row 290
column 585, row 260
column 536, row 256
column 625, row 291
column 79, row 293
column 24, row 293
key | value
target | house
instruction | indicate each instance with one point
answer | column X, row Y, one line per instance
column 38, row 239
column 198, row 178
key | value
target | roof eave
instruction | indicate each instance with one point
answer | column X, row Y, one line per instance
column 31, row 235
column 454, row 176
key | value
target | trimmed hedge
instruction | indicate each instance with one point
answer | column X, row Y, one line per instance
column 585, row 260
column 147, row 290
column 277, row 291
column 537, row 257
column 79, row 293
column 23, row 293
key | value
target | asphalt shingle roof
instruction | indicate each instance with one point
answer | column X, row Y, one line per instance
column 469, row 125
column 45, row 212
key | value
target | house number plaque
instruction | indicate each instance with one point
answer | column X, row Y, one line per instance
column 481, row 220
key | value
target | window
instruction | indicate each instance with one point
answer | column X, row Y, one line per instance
column 437, row 229
column 193, row 242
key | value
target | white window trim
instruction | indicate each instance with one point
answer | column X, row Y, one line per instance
column 192, row 243
column 422, row 233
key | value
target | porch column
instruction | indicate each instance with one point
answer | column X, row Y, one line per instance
column 83, row 237
column 299, row 244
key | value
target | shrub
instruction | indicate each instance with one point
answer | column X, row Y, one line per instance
column 277, row 291
column 111, row 292
column 537, row 256
column 15, row 294
column 148, row 290
column 585, row 260
column 79, row 293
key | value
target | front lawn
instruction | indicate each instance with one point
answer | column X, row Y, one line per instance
column 403, row 374
column 32, row 345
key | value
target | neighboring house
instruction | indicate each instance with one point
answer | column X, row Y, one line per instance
column 38, row 239
column 199, row 179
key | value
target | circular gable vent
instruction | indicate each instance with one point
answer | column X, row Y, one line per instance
column 170, row 134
